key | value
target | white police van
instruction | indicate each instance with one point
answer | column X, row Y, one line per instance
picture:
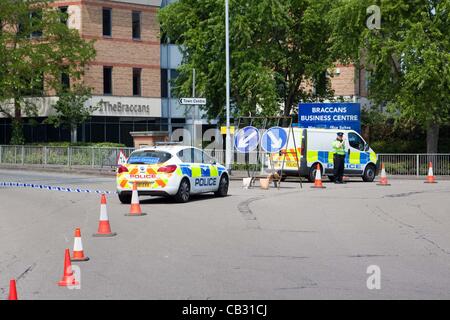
column 314, row 146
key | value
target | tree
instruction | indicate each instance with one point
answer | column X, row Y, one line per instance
column 408, row 58
column 276, row 48
column 36, row 47
column 71, row 110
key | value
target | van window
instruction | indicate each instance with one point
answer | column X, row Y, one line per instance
column 149, row 157
column 356, row 141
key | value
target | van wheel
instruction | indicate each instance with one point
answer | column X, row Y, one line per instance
column 369, row 173
column 125, row 198
column 223, row 187
column 331, row 178
column 184, row 191
column 312, row 172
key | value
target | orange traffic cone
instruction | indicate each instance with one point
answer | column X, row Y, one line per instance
column 383, row 177
column 78, row 253
column 12, row 290
column 430, row 176
column 318, row 180
column 104, row 229
column 68, row 278
column 135, row 208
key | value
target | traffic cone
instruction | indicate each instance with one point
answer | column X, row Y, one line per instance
column 104, row 229
column 78, row 253
column 12, row 290
column 68, row 278
column 383, row 177
column 318, row 180
column 135, row 208
column 430, row 176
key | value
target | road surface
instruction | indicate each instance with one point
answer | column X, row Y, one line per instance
column 290, row 243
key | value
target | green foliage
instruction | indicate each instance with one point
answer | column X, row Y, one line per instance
column 35, row 49
column 408, row 59
column 275, row 47
column 70, row 108
column 80, row 144
column 17, row 134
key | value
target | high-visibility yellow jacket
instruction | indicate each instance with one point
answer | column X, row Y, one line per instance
column 339, row 147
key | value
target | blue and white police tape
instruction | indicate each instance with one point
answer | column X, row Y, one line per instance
column 52, row 188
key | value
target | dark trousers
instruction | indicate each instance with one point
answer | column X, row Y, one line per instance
column 338, row 170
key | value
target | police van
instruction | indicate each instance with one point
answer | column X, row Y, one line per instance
column 309, row 147
column 171, row 170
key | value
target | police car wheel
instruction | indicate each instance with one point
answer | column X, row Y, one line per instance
column 369, row 173
column 223, row 187
column 125, row 198
column 184, row 191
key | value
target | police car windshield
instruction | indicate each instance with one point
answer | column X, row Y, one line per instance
column 149, row 157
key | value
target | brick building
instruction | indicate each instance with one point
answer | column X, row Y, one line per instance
column 350, row 83
column 125, row 75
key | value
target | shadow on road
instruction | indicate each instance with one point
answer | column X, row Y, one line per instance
column 165, row 200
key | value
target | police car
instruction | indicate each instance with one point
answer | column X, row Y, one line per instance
column 171, row 170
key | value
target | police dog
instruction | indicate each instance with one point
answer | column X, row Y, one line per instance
column 275, row 178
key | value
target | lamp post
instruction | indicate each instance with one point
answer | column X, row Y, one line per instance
column 227, row 63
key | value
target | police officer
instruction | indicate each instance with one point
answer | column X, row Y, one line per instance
column 339, row 157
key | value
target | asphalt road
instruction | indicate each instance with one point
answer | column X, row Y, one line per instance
column 290, row 243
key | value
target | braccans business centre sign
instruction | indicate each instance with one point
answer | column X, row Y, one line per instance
column 345, row 116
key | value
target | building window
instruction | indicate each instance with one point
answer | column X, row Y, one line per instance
column 164, row 84
column 30, row 25
column 64, row 15
column 65, row 81
column 107, row 22
column 107, row 80
column 137, row 81
column 136, row 24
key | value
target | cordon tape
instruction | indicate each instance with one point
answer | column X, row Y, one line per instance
column 52, row 188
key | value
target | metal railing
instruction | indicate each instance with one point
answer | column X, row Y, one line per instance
column 415, row 164
column 61, row 156
column 94, row 157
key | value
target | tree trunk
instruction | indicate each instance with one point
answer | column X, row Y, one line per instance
column 432, row 137
column 17, row 137
column 73, row 134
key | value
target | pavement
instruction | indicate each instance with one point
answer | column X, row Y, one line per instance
column 291, row 243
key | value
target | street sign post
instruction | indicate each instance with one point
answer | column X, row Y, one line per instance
column 193, row 101
column 246, row 139
column 273, row 140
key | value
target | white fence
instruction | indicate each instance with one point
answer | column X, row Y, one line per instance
column 396, row 164
column 416, row 164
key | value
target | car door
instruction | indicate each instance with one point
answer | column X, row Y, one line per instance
column 212, row 172
column 188, row 166
column 203, row 181
column 355, row 146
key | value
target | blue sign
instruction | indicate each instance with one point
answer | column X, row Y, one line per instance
column 274, row 139
column 246, row 139
column 143, row 160
column 346, row 116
